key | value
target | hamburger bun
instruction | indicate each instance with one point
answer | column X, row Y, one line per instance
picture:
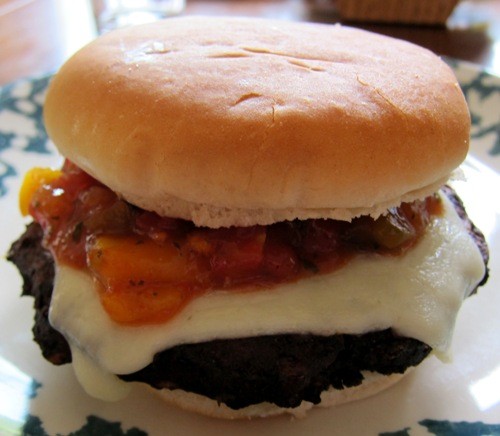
column 372, row 384
column 232, row 126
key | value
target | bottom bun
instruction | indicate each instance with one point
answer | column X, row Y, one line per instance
column 372, row 384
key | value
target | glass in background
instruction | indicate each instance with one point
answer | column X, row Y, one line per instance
column 112, row 14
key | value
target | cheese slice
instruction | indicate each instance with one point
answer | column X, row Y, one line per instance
column 418, row 294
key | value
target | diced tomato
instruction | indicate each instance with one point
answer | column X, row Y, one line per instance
column 321, row 239
column 114, row 219
column 280, row 261
column 160, row 228
column 236, row 254
column 74, row 180
column 51, row 206
column 418, row 213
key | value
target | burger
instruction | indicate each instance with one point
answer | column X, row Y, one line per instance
column 252, row 216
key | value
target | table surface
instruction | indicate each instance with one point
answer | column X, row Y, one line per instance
column 36, row 36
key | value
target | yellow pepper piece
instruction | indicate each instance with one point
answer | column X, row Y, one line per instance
column 141, row 281
column 33, row 179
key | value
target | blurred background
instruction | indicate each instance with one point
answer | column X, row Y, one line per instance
column 36, row 36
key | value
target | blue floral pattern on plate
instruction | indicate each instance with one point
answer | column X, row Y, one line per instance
column 21, row 123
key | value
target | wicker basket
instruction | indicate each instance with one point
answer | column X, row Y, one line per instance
column 397, row 11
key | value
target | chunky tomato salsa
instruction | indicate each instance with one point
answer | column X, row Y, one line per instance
column 148, row 267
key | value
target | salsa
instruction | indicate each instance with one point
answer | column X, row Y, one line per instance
column 148, row 267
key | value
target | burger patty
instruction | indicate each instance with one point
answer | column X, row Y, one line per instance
column 280, row 369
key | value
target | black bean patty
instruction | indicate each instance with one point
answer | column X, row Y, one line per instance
column 280, row 369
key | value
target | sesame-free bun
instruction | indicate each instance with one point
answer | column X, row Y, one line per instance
column 372, row 384
column 234, row 121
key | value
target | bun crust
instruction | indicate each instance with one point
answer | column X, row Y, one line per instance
column 232, row 121
column 373, row 384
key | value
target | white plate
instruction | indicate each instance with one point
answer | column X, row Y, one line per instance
column 460, row 397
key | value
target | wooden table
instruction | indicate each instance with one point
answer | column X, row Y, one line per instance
column 36, row 36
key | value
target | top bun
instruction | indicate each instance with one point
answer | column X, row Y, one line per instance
column 234, row 121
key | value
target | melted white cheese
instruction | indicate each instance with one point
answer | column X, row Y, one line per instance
column 418, row 294
column 96, row 381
